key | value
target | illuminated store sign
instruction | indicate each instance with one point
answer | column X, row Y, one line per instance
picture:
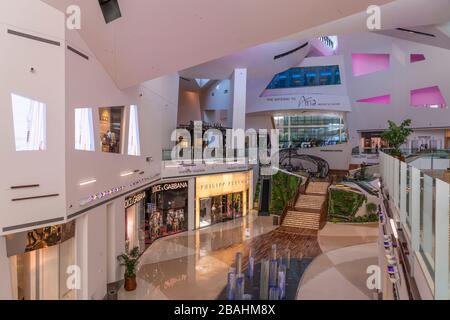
column 170, row 186
column 131, row 201
column 222, row 184
column 40, row 238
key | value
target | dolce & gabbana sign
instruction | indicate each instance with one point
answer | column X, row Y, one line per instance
column 170, row 186
column 131, row 201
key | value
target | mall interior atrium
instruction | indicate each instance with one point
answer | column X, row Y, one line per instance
column 224, row 150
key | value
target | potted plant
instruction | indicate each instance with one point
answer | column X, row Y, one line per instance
column 396, row 136
column 130, row 259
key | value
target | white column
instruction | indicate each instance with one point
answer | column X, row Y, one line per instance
column 81, row 246
column 441, row 250
column 238, row 86
column 5, row 285
column 396, row 178
column 427, row 215
column 191, row 205
column 415, row 209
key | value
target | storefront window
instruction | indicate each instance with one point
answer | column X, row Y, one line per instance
column 39, row 261
column 135, row 220
column 111, row 120
column 166, row 211
column 222, row 198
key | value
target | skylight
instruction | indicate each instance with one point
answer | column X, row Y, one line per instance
column 202, row 82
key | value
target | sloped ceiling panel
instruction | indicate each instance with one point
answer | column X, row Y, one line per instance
column 157, row 37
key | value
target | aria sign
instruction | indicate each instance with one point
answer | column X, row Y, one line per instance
column 131, row 201
column 306, row 102
column 170, row 186
column 309, row 101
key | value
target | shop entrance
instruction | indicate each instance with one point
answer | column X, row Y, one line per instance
column 221, row 198
column 39, row 260
column 135, row 221
column 221, row 208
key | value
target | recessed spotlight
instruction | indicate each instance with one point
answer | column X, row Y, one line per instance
column 87, row 182
column 125, row 174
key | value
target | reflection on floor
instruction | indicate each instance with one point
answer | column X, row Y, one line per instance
column 340, row 272
column 193, row 265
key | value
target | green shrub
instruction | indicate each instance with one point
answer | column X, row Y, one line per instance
column 371, row 208
column 345, row 204
column 284, row 189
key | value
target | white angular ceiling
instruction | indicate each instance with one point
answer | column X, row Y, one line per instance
column 158, row 37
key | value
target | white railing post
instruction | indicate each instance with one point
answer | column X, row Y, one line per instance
column 396, row 180
column 442, row 237
column 427, row 214
column 403, row 169
column 414, row 209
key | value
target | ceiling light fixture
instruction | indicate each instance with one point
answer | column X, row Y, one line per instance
column 87, row 182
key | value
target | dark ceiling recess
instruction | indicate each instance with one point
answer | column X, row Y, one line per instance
column 417, row 32
column 290, row 51
column 110, row 10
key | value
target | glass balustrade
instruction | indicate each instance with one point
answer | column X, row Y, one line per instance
column 420, row 197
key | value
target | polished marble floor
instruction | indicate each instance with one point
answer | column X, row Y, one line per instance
column 340, row 272
column 193, row 265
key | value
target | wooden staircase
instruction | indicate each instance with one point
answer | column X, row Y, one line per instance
column 310, row 203
column 310, row 209
column 303, row 220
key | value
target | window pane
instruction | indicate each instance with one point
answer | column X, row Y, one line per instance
column 134, row 146
column 111, row 119
column 306, row 77
column 29, row 123
column 84, row 130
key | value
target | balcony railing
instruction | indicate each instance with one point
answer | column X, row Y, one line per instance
column 190, row 165
column 421, row 198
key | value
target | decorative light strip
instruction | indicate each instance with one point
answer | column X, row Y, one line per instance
column 127, row 174
column 103, row 194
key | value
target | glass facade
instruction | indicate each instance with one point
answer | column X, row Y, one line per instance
column 306, row 77
column 310, row 129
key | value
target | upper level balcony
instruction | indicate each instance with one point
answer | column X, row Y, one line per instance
column 192, row 165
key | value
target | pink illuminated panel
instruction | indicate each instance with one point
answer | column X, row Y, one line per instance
column 386, row 99
column 416, row 57
column 366, row 63
column 428, row 97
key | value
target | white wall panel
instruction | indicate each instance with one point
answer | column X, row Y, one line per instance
column 46, row 84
